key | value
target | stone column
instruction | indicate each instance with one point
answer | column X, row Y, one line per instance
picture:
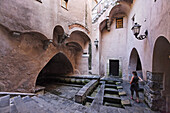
column 152, row 91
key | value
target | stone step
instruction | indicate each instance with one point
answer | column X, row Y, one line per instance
column 26, row 99
column 122, row 93
column 119, row 87
column 34, row 106
column 64, row 105
column 111, row 91
column 20, row 106
column 13, row 109
column 126, row 102
column 46, row 105
column 5, row 104
column 89, row 99
column 110, row 86
column 112, row 99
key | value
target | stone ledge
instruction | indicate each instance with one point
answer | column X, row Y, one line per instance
column 126, row 103
column 17, row 93
column 83, row 92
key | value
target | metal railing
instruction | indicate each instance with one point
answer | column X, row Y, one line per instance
column 100, row 8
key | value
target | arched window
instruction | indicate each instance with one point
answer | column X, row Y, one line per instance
column 64, row 3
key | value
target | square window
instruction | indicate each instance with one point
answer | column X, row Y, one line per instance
column 119, row 23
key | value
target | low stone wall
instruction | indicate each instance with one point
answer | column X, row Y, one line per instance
column 81, row 95
column 152, row 91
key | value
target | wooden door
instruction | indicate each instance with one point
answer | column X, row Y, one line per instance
column 114, row 67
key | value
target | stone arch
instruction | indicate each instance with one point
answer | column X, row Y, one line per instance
column 76, row 47
column 77, row 26
column 58, row 65
column 58, row 34
column 103, row 25
column 121, row 9
column 161, row 60
column 79, row 37
column 135, row 63
column 77, row 50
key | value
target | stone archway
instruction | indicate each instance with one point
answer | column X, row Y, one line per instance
column 58, row 65
column 135, row 63
column 161, row 70
column 80, row 40
column 58, row 35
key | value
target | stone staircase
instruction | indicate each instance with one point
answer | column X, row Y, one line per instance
column 39, row 104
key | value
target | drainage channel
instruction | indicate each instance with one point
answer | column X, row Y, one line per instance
column 90, row 97
column 107, row 93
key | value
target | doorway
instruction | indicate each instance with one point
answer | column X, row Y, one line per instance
column 114, row 67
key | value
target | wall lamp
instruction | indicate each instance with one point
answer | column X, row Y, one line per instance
column 96, row 43
column 136, row 31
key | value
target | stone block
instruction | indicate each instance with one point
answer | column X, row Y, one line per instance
column 4, row 101
column 5, row 109
column 13, row 109
column 118, row 83
column 123, row 93
column 153, row 76
column 20, row 106
column 119, row 87
column 126, row 102
column 147, row 89
column 154, row 85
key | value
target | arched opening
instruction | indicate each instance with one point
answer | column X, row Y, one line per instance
column 82, row 59
column 80, row 38
column 119, row 11
column 161, row 64
column 59, row 65
column 135, row 63
column 58, row 35
column 161, row 58
column 103, row 25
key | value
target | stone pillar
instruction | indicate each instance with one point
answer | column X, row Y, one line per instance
column 152, row 91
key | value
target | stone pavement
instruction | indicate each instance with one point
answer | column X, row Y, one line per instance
column 61, row 99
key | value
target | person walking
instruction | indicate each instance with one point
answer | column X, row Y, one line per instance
column 134, row 85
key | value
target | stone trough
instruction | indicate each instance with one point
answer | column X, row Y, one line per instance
column 80, row 97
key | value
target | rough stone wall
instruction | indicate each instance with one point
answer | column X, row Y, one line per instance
column 23, row 57
column 22, row 52
column 152, row 91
